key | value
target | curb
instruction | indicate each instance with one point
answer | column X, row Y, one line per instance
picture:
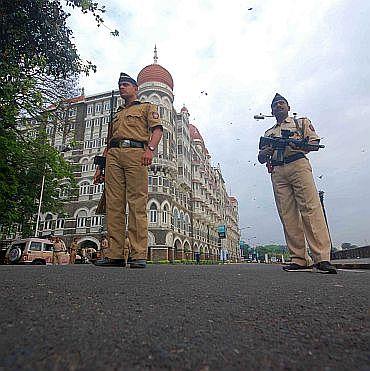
column 351, row 265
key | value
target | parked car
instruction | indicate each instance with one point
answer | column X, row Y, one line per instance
column 33, row 251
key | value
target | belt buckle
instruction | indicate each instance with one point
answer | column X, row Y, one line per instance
column 124, row 143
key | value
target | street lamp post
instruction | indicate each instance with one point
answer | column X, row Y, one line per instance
column 39, row 209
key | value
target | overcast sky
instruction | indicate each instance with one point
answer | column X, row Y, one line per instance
column 315, row 53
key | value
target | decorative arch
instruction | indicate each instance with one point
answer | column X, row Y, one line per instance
column 177, row 249
column 177, row 243
column 166, row 202
column 187, row 246
column 82, row 242
column 84, row 180
column 154, row 98
column 84, row 160
column 80, row 212
column 48, row 215
column 153, row 200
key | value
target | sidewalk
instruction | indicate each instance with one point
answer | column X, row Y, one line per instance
column 352, row 263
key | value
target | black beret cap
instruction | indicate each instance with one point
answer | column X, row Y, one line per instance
column 278, row 97
column 124, row 77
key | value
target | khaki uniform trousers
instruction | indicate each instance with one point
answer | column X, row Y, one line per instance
column 300, row 211
column 72, row 256
column 126, row 182
column 57, row 257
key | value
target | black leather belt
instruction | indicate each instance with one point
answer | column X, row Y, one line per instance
column 125, row 143
column 288, row 160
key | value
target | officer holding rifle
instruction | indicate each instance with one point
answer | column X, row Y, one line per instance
column 283, row 148
column 132, row 139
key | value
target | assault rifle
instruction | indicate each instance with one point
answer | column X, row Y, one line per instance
column 280, row 143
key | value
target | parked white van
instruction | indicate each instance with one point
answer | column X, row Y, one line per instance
column 33, row 251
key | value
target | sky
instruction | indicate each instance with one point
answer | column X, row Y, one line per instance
column 315, row 53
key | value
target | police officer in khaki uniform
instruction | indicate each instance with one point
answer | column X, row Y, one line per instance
column 58, row 250
column 296, row 196
column 136, row 132
column 103, row 246
column 73, row 250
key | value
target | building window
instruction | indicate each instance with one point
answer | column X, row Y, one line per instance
column 98, row 188
column 107, row 105
column 48, row 222
column 85, row 167
column 81, row 222
column 84, row 188
column 88, row 124
column 59, row 224
column 175, row 218
column 89, row 109
column 165, row 214
column 97, row 108
column 81, row 219
column 72, row 112
column 153, row 213
column 49, row 130
column 96, row 221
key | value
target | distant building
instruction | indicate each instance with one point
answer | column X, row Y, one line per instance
column 187, row 200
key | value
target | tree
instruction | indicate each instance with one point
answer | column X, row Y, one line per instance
column 39, row 68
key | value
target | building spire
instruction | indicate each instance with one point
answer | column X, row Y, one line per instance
column 155, row 54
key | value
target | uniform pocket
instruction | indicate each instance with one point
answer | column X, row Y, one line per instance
column 133, row 119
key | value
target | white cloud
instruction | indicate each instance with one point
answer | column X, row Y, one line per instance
column 315, row 53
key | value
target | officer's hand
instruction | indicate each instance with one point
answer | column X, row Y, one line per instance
column 266, row 152
column 98, row 177
column 293, row 146
column 147, row 157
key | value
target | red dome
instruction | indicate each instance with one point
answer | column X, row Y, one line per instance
column 155, row 72
column 194, row 133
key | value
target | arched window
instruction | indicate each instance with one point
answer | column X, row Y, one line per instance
column 187, row 223
column 48, row 221
column 165, row 214
column 59, row 223
column 84, row 188
column 153, row 212
column 85, row 165
column 64, row 190
column 81, row 219
column 175, row 218
column 181, row 220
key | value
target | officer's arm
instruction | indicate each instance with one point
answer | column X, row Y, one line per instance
column 264, row 154
column 310, row 133
column 156, row 137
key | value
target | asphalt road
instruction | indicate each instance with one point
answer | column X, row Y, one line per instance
column 226, row 317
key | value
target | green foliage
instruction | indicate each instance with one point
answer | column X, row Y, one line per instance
column 39, row 66
column 272, row 250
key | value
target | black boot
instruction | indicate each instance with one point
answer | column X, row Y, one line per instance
column 107, row 262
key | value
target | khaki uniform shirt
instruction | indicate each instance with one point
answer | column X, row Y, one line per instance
column 135, row 121
column 302, row 129
column 74, row 246
column 59, row 246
